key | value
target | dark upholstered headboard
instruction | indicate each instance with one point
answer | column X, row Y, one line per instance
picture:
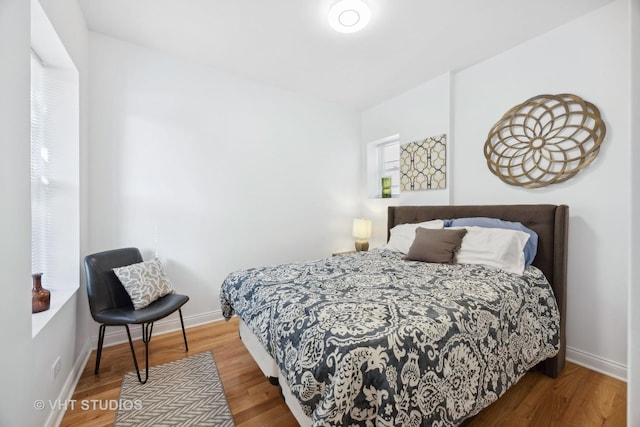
column 551, row 222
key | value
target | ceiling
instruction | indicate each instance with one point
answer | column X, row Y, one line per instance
column 289, row 44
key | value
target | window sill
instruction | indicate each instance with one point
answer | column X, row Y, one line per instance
column 394, row 196
column 59, row 297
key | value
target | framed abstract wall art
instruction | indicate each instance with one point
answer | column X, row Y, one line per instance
column 423, row 164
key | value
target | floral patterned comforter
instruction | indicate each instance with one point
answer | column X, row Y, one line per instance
column 371, row 339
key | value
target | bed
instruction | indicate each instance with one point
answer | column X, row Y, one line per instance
column 373, row 339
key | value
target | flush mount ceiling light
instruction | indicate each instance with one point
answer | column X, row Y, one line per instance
column 349, row 16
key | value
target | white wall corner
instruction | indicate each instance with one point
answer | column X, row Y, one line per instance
column 633, row 321
column 597, row 363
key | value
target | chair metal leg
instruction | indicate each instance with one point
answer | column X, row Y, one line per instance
column 184, row 334
column 145, row 328
column 100, row 343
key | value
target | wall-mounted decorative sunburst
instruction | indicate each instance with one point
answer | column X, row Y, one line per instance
column 545, row 140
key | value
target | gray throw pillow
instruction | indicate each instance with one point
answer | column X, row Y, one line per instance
column 145, row 282
column 435, row 245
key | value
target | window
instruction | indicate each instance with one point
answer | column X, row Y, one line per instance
column 55, row 167
column 389, row 158
column 54, row 174
column 383, row 160
column 40, row 185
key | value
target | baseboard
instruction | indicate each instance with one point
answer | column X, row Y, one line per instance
column 118, row 334
column 66, row 394
column 597, row 363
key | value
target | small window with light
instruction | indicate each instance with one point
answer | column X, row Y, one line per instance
column 383, row 171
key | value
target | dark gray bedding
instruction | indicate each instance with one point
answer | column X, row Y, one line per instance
column 371, row 339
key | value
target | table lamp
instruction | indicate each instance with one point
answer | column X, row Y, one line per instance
column 362, row 232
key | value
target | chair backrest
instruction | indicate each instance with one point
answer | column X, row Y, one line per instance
column 104, row 289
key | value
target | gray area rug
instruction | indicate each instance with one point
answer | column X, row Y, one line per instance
column 185, row 392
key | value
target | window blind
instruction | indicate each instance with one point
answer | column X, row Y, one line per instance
column 40, row 156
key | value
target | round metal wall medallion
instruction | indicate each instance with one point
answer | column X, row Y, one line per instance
column 545, row 140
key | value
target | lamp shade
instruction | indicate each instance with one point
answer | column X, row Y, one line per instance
column 361, row 228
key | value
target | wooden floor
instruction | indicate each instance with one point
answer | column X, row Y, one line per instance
column 579, row 397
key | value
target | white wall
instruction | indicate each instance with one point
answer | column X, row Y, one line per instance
column 15, row 217
column 588, row 57
column 56, row 339
column 231, row 173
column 633, row 386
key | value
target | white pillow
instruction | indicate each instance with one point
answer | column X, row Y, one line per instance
column 495, row 247
column 402, row 235
column 145, row 282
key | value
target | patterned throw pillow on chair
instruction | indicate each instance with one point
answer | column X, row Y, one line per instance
column 145, row 282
